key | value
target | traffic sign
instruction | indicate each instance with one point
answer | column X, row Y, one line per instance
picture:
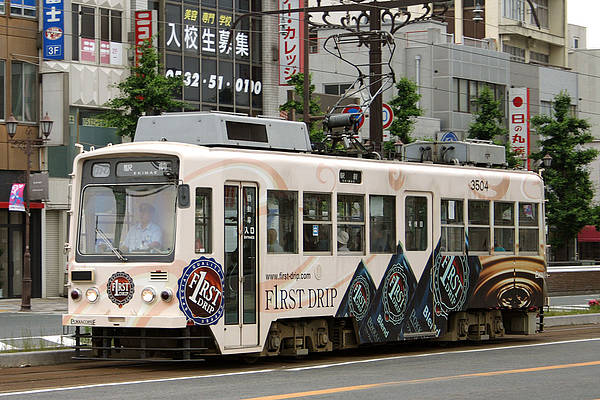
column 388, row 116
column 355, row 110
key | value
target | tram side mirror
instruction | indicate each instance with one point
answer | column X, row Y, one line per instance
column 183, row 196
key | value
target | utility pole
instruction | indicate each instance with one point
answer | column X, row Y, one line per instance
column 376, row 109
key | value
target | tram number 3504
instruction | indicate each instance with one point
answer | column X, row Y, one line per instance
column 479, row 185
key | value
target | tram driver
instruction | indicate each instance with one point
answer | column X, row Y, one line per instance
column 145, row 234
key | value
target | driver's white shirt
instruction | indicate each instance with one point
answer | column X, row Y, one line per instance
column 139, row 238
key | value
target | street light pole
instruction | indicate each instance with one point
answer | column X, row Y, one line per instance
column 27, row 145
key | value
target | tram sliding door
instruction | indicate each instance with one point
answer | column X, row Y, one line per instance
column 418, row 230
column 241, row 264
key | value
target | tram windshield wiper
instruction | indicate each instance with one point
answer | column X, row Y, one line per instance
column 112, row 248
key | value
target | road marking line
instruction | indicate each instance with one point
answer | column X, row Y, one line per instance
column 263, row 371
column 423, row 380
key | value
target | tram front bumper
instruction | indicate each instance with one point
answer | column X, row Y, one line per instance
column 128, row 321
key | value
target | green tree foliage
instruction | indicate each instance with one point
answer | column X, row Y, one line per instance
column 297, row 105
column 488, row 125
column 569, row 191
column 146, row 91
column 405, row 110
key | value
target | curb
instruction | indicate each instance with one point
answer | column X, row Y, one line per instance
column 579, row 319
column 36, row 358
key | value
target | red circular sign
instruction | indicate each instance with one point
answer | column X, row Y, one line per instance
column 388, row 116
column 355, row 110
column 518, row 101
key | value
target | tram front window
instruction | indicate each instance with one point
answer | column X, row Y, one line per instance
column 121, row 220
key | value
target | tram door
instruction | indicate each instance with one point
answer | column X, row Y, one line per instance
column 418, row 227
column 241, row 263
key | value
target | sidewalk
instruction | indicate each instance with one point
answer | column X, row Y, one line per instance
column 54, row 305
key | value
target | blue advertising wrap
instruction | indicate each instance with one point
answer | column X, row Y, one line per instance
column 53, row 29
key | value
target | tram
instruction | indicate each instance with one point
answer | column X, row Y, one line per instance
column 218, row 234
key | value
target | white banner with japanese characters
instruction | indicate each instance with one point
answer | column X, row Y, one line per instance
column 518, row 114
column 291, row 41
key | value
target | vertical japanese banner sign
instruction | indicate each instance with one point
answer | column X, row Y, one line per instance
column 291, row 41
column 54, row 27
column 519, row 122
column 144, row 30
column 16, row 201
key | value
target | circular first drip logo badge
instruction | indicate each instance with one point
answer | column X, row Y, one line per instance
column 200, row 291
column 395, row 294
column 120, row 288
column 450, row 283
column 360, row 298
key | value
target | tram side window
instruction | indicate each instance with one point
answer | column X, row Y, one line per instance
column 203, row 242
column 415, row 211
column 504, row 226
column 382, row 224
column 282, row 225
column 529, row 231
column 479, row 225
column 453, row 226
column 351, row 223
column 317, row 222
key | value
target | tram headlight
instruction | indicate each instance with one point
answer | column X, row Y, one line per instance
column 76, row 294
column 92, row 294
column 148, row 294
column 166, row 295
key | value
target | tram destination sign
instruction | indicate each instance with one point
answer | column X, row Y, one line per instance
column 144, row 168
column 348, row 176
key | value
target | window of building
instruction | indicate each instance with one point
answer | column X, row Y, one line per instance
column 415, row 227
column 24, row 8
column 110, row 25
column 529, row 232
column 317, row 222
column 513, row 9
column 282, row 221
column 84, row 44
column 539, row 57
column 453, row 226
column 24, row 91
column 2, row 83
column 313, row 42
column 504, row 226
column 516, row 53
column 468, row 91
column 2, row 7
column 479, row 225
column 351, row 223
column 546, row 108
column 203, row 238
column 541, row 9
column 575, row 42
column 382, row 224
column 337, row 89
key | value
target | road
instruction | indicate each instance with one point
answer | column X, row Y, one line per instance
column 561, row 363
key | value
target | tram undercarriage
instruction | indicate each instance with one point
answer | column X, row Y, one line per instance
column 293, row 337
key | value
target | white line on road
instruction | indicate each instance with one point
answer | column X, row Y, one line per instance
column 263, row 371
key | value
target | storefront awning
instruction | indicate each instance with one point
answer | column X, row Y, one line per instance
column 588, row 234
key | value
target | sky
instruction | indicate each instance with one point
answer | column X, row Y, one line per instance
column 585, row 13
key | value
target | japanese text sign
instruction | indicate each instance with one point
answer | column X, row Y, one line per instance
column 291, row 41
column 54, row 27
column 16, row 200
column 519, row 121
column 144, row 30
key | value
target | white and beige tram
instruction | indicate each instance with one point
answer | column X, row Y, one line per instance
column 217, row 234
